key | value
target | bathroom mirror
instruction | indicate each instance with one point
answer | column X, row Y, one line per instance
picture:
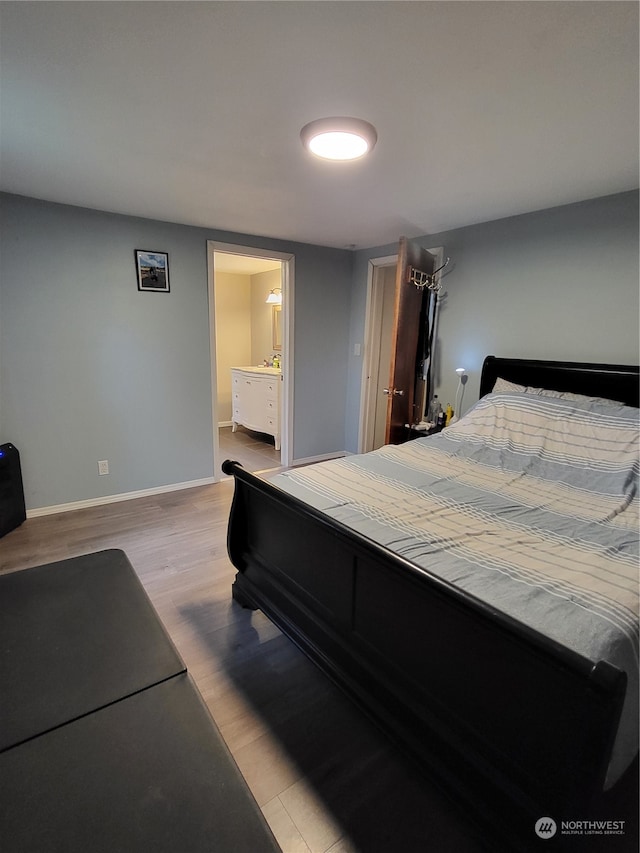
column 277, row 326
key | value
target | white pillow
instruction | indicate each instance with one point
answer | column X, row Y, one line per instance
column 503, row 386
column 571, row 396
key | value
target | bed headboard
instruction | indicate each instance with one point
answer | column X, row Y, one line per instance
column 612, row 381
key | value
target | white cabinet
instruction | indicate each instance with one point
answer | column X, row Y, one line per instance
column 255, row 393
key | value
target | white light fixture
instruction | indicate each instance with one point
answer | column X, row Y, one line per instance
column 274, row 297
column 339, row 138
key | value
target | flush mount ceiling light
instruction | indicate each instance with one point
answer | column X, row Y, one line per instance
column 339, row 138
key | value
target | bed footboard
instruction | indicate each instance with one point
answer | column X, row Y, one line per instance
column 511, row 722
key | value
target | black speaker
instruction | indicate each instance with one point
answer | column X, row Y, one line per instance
column 12, row 509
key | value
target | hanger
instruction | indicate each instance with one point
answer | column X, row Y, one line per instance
column 422, row 279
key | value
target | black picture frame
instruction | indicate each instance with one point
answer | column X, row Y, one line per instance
column 152, row 269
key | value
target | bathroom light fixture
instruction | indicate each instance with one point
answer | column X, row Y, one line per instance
column 339, row 138
column 274, row 297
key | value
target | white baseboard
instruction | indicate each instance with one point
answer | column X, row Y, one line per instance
column 297, row 463
column 324, row 457
column 111, row 499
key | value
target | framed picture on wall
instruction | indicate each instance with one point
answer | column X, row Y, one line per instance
column 153, row 271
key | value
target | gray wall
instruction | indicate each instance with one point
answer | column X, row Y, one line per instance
column 92, row 369
column 555, row 284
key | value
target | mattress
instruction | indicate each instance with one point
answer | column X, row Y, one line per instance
column 530, row 504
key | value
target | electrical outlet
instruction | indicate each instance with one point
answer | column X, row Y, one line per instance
column 103, row 466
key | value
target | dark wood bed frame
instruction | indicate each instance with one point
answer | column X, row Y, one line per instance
column 515, row 725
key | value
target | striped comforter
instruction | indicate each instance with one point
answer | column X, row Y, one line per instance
column 528, row 503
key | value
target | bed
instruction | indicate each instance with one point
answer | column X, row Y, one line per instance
column 476, row 591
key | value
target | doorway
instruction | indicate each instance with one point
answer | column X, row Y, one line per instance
column 377, row 362
column 379, row 321
column 245, row 331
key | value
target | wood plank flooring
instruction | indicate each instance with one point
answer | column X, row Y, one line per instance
column 326, row 779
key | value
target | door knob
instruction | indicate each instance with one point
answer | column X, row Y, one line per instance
column 394, row 391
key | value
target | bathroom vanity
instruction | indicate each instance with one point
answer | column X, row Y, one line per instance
column 255, row 393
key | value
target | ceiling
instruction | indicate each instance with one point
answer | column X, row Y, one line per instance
column 190, row 112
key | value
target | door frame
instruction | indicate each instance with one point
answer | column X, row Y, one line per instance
column 372, row 340
column 287, row 284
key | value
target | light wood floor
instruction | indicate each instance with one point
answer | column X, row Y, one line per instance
column 325, row 778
